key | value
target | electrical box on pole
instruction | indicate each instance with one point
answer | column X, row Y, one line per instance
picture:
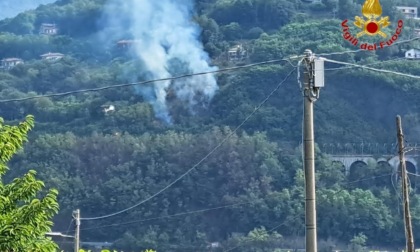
column 319, row 72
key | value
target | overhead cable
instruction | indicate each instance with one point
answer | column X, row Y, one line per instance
column 203, row 159
column 373, row 69
column 151, row 81
column 169, row 216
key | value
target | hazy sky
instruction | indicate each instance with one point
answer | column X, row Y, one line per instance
column 10, row 8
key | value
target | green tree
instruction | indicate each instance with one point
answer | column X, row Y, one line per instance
column 232, row 31
column 357, row 244
column 347, row 9
column 24, row 217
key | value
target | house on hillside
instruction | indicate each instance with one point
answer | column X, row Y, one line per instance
column 48, row 29
column 412, row 54
column 108, row 109
column 237, row 53
column 8, row 63
column 214, row 245
column 52, row 56
column 416, row 32
column 409, row 12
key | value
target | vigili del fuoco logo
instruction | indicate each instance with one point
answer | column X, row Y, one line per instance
column 371, row 24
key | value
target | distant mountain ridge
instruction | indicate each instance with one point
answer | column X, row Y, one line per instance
column 11, row 8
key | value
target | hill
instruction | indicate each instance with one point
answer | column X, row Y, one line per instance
column 104, row 161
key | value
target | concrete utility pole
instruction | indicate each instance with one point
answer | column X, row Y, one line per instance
column 404, row 182
column 313, row 80
column 76, row 216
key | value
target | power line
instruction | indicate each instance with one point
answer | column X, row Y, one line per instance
column 152, row 81
column 66, row 233
column 210, row 153
column 203, row 159
column 191, row 75
column 417, row 175
column 208, row 209
column 370, row 64
column 169, row 216
column 396, row 191
column 373, row 69
column 365, row 179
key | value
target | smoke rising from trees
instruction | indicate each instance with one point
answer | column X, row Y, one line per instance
column 167, row 44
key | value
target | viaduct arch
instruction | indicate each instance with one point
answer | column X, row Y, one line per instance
column 350, row 160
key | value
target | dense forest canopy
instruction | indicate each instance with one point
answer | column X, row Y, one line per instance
column 103, row 160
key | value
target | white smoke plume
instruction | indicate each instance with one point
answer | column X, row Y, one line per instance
column 167, row 44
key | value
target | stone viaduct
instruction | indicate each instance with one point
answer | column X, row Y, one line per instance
column 348, row 161
column 350, row 155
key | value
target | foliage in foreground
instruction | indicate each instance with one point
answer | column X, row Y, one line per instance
column 25, row 216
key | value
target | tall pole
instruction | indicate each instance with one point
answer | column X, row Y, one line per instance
column 404, row 182
column 310, row 96
column 76, row 216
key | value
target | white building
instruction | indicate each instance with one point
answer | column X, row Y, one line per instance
column 409, row 12
column 416, row 32
column 237, row 53
column 412, row 54
column 48, row 29
column 52, row 56
column 8, row 63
